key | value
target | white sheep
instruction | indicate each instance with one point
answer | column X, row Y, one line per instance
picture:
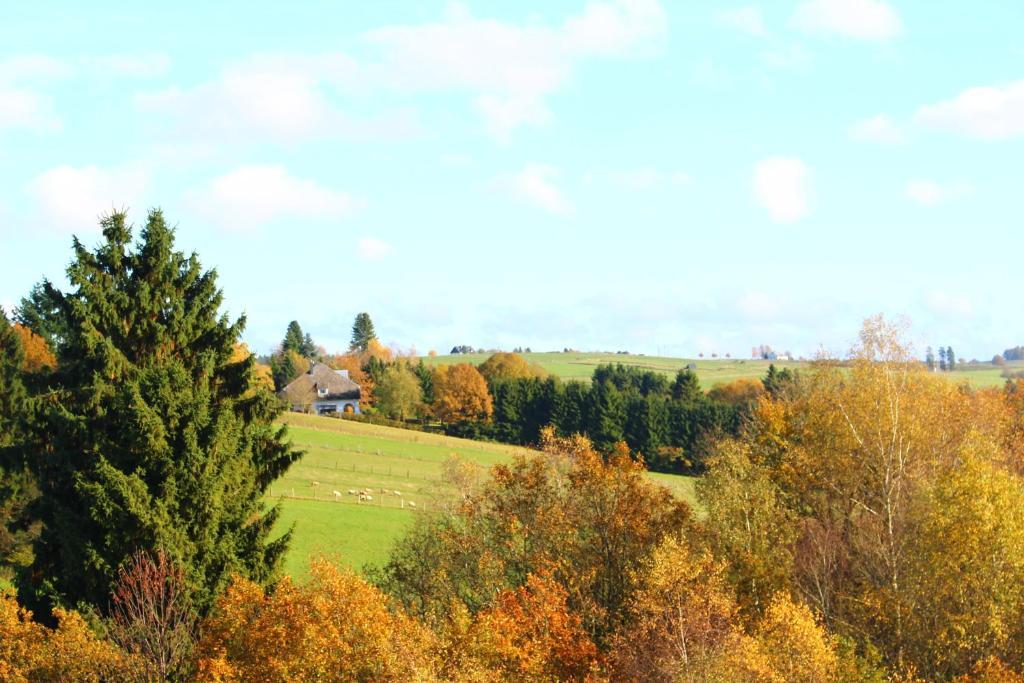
column 352, row 492
column 412, row 504
column 368, row 497
column 397, row 493
column 336, row 494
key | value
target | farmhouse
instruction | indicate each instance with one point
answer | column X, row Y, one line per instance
column 322, row 391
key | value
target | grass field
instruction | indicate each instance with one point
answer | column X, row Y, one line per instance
column 342, row 455
column 580, row 366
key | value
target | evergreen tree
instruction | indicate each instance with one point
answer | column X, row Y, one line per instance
column 38, row 312
column 308, row 349
column 153, row 437
column 950, row 358
column 942, row 359
column 929, row 358
column 294, row 339
column 17, row 486
column 362, row 332
column 686, row 387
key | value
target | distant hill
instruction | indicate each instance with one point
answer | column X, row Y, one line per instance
column 580, row 366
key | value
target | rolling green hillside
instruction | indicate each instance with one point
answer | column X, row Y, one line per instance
column 580, row 366
column 342, row 455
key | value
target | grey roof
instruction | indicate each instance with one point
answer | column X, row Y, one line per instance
column 306, row 387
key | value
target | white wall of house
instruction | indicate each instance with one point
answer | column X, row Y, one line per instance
column 337, row 406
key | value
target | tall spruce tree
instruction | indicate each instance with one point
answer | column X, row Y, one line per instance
column 294, row 339
column 950, row 358
column 153, row 437
column 362, row 332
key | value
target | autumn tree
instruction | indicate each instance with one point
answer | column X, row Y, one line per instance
column 502, row 366
column 972, row 518
column 839, row 463
column 529, row 634
column 739, row 392
column 37, row 354
column 748, row 524
column 398, row 394
column 460, row 393
column 30, row 651
column 587, row 520
column 152, row 439
column 335, row 627
column 152, row 617
column 362, row 333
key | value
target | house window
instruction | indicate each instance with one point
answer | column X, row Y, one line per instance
column 321, row 391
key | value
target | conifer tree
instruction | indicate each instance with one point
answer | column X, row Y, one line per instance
column 362, row 332
column 17, row 487
column 154, row 440
column 686, row 387
column 293, row 338
column 950, row 358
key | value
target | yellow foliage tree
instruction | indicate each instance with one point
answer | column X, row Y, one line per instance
column 30, row 651
column 739, row 392
column 503, row 365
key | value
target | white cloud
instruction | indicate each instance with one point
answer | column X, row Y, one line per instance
column 781, row 187
column 508, row 70
column 859, row 19
column 72, row 198
column 372, row 249
column 930, row 193
column 953, row 305
column 20, row 108
column 535, row 185
column 251, row 196
column 878, row 128
column 988, row 113
column 746, row 19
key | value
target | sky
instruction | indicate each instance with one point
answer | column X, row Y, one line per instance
column 662, row 177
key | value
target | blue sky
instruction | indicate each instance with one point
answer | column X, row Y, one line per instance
column 617, row 174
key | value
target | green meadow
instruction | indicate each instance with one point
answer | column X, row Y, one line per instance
column 406, row 465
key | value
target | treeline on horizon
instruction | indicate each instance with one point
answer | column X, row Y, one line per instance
column 670, row 423
column 864, row 523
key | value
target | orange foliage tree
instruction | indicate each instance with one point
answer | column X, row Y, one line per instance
column 38, row 355
column 460, row 393
column 529, row 634
column 336, row 627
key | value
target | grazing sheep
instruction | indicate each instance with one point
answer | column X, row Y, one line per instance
column 336, row 494
column 397, row 493
column 369, row 497
column 412, row 504
column 352, row 492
